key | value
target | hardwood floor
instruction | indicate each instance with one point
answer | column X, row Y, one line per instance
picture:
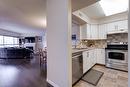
column 111, row 78
column 22, row 73
column 27, row 73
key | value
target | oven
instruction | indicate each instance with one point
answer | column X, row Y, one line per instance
column 117, row 57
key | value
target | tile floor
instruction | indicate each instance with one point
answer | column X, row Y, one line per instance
column 110, row 78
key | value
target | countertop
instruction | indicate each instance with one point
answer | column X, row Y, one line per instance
column 75, row 50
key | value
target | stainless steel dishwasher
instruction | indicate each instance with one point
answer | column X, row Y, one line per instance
column 77, row 66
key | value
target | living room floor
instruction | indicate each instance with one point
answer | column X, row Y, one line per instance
column 110, row 78
column 22, row 73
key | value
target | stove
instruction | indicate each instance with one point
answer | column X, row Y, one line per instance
column 117, row 56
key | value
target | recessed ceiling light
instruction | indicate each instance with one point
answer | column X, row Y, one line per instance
column 111, row 7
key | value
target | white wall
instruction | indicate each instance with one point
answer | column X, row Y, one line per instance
column 59, row 61
column 37, row 33
column 76, row 30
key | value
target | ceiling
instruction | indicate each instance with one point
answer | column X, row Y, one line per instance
column 79, row 4
column 22, row 15
column 94, row 11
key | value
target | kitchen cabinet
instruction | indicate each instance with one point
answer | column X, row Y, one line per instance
column 111, row 27
column 89, row 60
column 86, row 61
column 88, row 35
column 89, row 31
column 122, row 25
column 91, row 57
column 83, row 31
column 117, row 26
column 94, row 31
column 100, row 56
column 102, row 31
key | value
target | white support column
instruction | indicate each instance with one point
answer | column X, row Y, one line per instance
column 59, row 61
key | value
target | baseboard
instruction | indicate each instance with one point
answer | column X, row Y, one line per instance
column 52, row 83
column 100, row 64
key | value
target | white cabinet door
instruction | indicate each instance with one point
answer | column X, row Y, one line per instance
column 93, row 57
column 112, row 27
column 123, row 25
column 89, row 31
column 86, row 61
column 83, row 31
column 89, row 59
column 117, row 26
column 94, row 31
column 101, row 56
column 102, row 31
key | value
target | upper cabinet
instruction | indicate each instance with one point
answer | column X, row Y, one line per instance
column 117, row 26
column 89, row 31
column 122, row 25
column 93, row 31
column 111, row 27
column 102, row 31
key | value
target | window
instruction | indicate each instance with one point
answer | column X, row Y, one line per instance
column 7, row 41
column 1, row 40
column 16, row 40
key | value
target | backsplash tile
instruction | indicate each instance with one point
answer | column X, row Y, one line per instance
column 97, row 43
column 111, row 38
column 122, row 37
column 93, row 43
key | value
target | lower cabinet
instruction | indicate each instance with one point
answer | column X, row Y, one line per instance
column 91, row 57
column 100, row 56
column 89, row 60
